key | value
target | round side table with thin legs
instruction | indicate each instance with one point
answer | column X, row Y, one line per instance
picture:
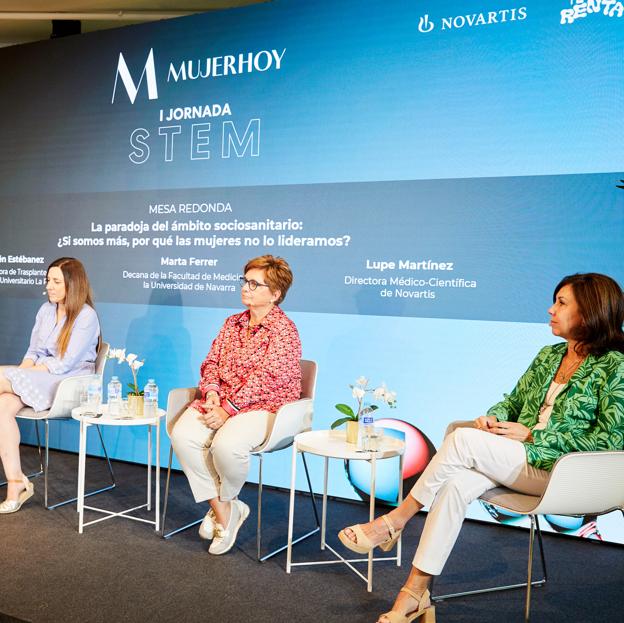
column 331, row 444
column 103, row 418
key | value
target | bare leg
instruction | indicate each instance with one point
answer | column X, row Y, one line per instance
column 5, row 384
column 221, row 511
column 377, row 530
column 418, row 582
column 10, row 404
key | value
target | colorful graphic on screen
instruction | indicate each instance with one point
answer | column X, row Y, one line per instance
column 418, row 453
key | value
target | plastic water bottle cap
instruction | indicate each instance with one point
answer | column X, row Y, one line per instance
column 115, row 378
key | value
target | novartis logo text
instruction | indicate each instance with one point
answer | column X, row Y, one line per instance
column 470, row 20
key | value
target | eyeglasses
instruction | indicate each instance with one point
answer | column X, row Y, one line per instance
column 251, row 283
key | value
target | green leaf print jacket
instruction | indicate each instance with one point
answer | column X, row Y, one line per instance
column 587, row 415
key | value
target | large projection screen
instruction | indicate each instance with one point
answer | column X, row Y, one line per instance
column 430, row 169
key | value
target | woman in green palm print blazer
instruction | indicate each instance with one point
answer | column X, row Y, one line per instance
column 571, row 399
column 587, row 415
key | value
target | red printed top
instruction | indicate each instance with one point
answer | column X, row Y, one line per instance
column 253, row 369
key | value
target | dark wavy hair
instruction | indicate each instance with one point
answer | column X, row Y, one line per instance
column 601, row 305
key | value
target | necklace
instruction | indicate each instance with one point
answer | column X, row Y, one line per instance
column 565, row 374
column 551, row 395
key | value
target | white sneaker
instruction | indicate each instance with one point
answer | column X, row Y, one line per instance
column 207, row 527
column 224, row 538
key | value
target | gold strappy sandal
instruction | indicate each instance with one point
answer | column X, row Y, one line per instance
column 12, row 506
column 427, row 612
column 363, row 544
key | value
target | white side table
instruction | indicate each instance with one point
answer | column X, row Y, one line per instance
column 333, row 445
column 103, row 418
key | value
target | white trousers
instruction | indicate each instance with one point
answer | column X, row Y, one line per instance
column 216, row 463
column 469, row 463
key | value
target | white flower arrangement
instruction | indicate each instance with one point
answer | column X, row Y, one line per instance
column 133, row 362
column 359, row 390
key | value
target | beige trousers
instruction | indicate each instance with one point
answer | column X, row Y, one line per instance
column 216, row 463
column 469, row 463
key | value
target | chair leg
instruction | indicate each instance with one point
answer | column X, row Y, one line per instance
column 527, row 608
column 541, row 549
column 39, row 450
column 90, row 493
column 259, row 524
column 312, row 499
column 259, row 529
column 528, row 584
column 108, row 461
column 164, row 513
column 535, row 527
column 46, row 463
column 163, row 534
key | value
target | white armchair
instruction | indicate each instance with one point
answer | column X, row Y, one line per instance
column 581, row 483
column 66, row 398
column 292, row 419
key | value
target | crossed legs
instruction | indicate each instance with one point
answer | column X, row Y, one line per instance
column 10, row 404
column 468, row 463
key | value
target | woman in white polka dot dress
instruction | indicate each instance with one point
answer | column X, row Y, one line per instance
column 64, row 342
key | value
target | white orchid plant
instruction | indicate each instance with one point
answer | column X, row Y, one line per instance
column 133, row 362
column 359, row 390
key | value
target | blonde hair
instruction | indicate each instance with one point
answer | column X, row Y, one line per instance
column 77, row 294
column 277, row 273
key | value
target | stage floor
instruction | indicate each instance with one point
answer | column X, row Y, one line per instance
column 122, row 570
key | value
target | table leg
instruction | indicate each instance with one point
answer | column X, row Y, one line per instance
column 149, row 467
column 291, row 506
column 324, row 513
column 399, row 502
column 371, row 516
column 82, row 452
column 157, row 484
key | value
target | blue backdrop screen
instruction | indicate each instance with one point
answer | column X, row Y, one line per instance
column 429, row 169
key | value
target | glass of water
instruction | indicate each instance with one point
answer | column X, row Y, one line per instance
column 375, row 437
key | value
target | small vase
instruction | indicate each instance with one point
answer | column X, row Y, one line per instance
column 135, row 405
column 352, row 431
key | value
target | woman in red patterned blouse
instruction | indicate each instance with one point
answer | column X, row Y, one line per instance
column 251, row 370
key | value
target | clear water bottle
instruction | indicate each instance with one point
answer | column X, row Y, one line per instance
column 114, row 396
column 94, row 394
column 150, row 398
column 366, row 432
